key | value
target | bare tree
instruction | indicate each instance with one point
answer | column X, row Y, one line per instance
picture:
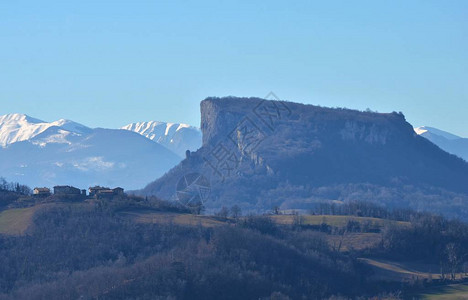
column 223, row 213
column 236, row 211
column 453, row 259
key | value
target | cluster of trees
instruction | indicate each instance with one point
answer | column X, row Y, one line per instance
column 393, row 196
column 131, row 202
column 365, row 209
column 235, row 212
column 430, row 239
column 11, row 192
column 14, row 187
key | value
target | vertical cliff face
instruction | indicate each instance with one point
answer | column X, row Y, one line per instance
column 286, row 121
column 219, row 116
column 253, row 146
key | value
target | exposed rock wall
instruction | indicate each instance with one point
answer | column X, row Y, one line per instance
column 260, row 146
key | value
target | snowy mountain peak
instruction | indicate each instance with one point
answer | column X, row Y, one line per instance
column 20, row 127
column 177, row 137
column 71, row 126
column 425, row 130
column 18, row 118
column 151, row 126
column 420, row 130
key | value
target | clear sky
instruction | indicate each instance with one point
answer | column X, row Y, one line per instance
column 109, row 63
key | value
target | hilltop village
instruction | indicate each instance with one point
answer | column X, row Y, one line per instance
column 96, row 192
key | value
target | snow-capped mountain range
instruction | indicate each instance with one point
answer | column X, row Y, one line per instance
column 39, row 153
column 18, row 127
column 176, row 137
column 446, row 141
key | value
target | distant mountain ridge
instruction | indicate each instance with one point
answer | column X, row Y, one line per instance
column 177, row 137
column 40, row 153
column 259, row 154
column 449, row 142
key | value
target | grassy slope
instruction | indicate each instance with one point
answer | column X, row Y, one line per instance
column 349, row 241
column 16, row 221
column 448, row 292
column 148, row 216
column 338, row 221
column 354, row 241
column 390, row 270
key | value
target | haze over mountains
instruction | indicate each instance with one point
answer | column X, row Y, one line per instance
column 262, row 154
column 176, row 137
column 41, row 153
column 449, row 142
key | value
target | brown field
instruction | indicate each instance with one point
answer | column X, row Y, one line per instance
column 146, row 216
column 354, row 241
column 337, row 221
column 404, row 271
column 16, row 221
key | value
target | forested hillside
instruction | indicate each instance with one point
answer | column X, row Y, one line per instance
column 111, row 250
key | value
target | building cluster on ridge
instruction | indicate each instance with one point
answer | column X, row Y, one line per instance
column 97, row 192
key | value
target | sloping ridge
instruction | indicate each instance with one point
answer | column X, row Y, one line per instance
column 278, row 144
column 446, row 141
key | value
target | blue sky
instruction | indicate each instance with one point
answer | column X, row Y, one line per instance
column 109, row 63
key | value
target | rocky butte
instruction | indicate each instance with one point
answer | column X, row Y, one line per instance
column 260, row 154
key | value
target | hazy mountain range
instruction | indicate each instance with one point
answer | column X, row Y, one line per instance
column 449, row 142
column 40, row 153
